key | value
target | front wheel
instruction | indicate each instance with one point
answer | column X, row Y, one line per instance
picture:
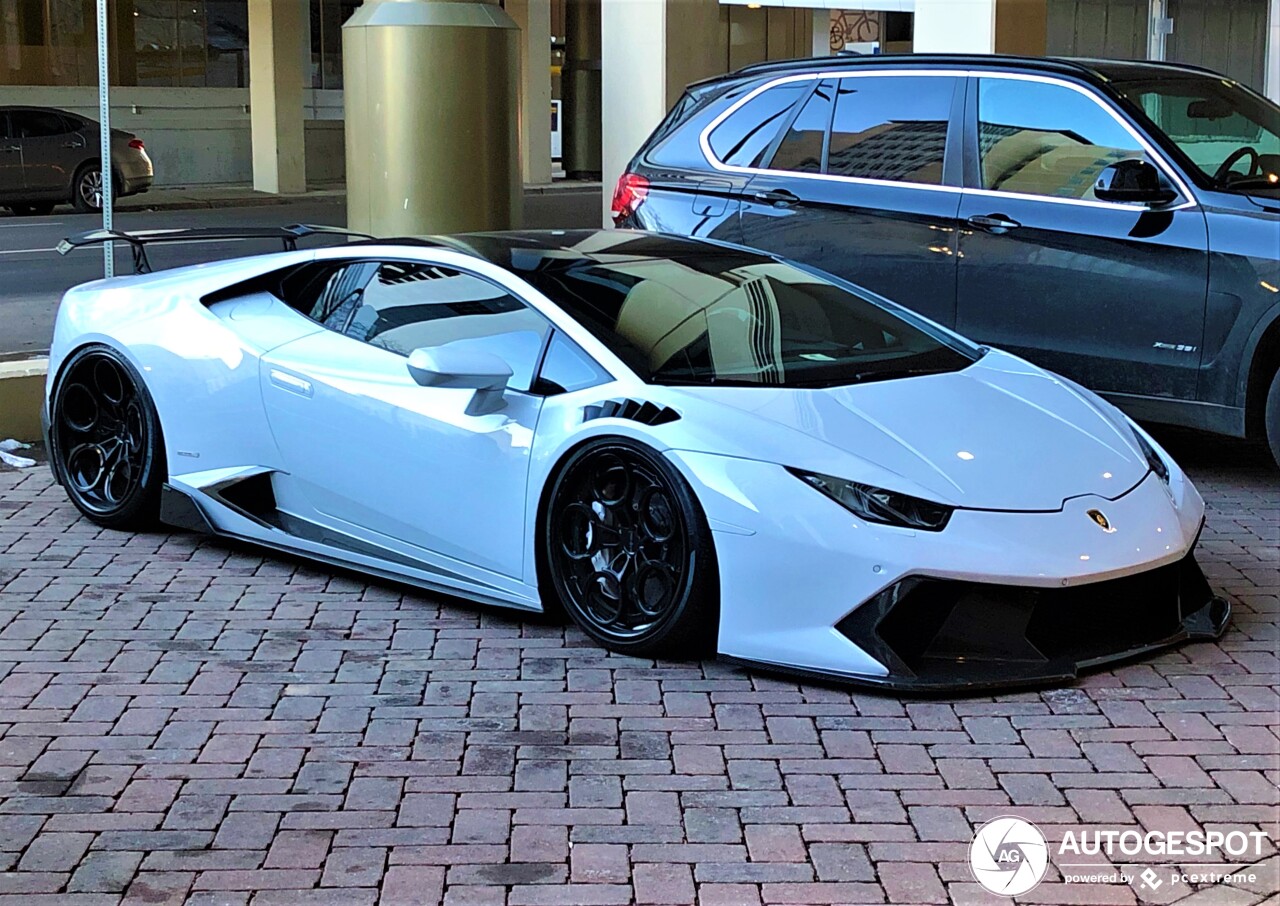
column 1272, row 419
column 105, row 441
column 629, row 552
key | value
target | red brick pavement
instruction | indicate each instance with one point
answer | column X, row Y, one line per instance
column 183, row 720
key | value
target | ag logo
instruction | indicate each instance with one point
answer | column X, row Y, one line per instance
column 1008, row 856
column 1101, row 519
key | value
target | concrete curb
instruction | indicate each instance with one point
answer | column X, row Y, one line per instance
column 21, row 394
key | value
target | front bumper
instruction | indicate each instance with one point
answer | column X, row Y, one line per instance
column 996, row 599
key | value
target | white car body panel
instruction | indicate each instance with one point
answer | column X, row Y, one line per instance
column 248, row 386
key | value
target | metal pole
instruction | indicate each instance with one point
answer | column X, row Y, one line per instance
column 104, row 118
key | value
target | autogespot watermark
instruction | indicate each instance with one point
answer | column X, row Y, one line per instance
column 1010, row 856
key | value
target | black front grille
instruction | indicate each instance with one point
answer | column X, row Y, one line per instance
column 948, row 630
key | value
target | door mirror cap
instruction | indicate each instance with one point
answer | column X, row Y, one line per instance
column 455, row 367
column 1133, row 182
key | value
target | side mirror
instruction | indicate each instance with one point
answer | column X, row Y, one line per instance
column 1133, row 182
column 458, row 368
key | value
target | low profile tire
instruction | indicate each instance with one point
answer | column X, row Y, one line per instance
column 86, row 189
column 105, row 441
column 629, row 553
column 36, row 209
column 1272, row 417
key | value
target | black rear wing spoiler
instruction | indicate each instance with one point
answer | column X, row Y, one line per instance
column 138, row 240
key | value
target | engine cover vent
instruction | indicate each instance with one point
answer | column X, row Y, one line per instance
column 634, row 410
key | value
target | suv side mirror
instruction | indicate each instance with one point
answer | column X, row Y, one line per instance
column 1133, row 182
column 467, row 369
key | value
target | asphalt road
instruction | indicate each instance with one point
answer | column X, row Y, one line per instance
column 33, row 276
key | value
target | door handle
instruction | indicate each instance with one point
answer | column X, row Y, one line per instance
column 286, row 381
column 993, row 223
column 779, row 198
column 72, row 145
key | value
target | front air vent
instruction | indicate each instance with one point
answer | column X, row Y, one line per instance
column 633, row 410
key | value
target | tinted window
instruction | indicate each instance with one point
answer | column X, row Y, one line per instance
column 1211, row 120
column 407, row 306
column 801, row 150
column 892, row 128
column 746, row 134
column 566, row 367
column 1045, row 139
column 738, row 319
column 37, row 123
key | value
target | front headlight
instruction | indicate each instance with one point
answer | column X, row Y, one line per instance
column 1154, row 459
column 877, row 504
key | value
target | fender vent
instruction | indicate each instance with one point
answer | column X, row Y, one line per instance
column 633, row 410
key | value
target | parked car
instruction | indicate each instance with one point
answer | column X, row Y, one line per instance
column 50, row 157
column 1115, row 222
column 686, row 446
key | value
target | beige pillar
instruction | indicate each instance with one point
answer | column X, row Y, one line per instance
column 633, row 45
column 275, row 95
column 955, row 26
column 534, row 19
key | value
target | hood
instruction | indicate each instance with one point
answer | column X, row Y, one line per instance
column 1000, row 435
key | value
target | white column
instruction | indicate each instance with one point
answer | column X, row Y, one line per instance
column 275, row 96
column 955, row 26
column 1273, row 52
column 634, row 82
column 534, row 19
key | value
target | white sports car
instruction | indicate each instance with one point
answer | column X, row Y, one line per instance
column 687, row 446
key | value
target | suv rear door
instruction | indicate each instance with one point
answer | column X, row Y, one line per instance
column 51, row 150
column 1111, row 295
column 864, row 182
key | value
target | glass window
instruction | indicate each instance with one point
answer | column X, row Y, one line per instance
column 746, row 134
column 892, row 128
column 566, row 367
column 407, row 306
column 1044, row 139
column 38, row 123
column 801, row 149
column 1213, row 121
column 736, row 318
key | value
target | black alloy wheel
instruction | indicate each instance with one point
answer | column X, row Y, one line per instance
column 105, row 440
column 629, row 552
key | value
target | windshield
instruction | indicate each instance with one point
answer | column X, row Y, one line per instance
column 1231, row 134
column 730, row 318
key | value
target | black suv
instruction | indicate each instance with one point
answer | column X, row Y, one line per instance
column 1117, row 222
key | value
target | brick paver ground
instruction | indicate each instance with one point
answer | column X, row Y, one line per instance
column 182, row 719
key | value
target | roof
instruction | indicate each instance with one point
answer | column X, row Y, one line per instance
column 523, row 250
column 1106, row 70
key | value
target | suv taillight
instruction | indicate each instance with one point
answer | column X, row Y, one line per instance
column 627, row 196
column 136, row 144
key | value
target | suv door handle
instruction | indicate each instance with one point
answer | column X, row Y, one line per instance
column 779, row 198
column 993, row 223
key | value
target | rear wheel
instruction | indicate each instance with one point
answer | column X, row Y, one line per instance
column 1272, row 419
column 629, row 553
column 86, row 189
column 105, row 441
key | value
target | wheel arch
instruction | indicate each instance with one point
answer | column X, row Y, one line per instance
column 1262, row 361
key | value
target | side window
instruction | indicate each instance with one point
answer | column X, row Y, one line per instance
column 1044, row 139
column 567, row 367
column 327, row 292
column 407, row 305
column 37, row 123
column 801, row 149
column 892, row 128
column 744, row 136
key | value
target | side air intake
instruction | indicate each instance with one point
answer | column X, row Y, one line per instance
column 633, row 410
